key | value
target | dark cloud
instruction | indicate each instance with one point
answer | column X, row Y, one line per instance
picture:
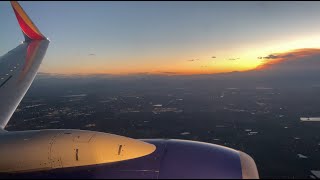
column 272, row 56
column 300, row 59
column 140, row 74
column 213, row 57
column 168, row 72
column 193, row 60
column 92, row 54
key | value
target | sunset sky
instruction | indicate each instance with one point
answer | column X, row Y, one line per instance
column 164, row 37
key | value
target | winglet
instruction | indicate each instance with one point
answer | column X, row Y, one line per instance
column 29, row 30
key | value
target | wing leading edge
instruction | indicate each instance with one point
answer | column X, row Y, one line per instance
column 19, row 66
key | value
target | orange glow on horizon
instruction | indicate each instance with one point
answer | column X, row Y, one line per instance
column 246, row 63
column 175, row 70
column 159, row 66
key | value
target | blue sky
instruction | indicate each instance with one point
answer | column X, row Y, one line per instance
column 133, row 37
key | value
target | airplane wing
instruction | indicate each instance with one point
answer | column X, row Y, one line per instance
column 19, row 66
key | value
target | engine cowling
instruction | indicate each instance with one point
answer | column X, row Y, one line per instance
column 183, row 159
column 191, row 159
column 38, row 150
column 174, row 159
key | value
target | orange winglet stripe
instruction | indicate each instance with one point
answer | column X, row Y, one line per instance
column 16, row 6
column 27, row 30
column 25, row 23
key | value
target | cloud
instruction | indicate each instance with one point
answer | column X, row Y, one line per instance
column 296, row 60
column 193, row 60
column 273, row 56
column 168, row 72
column 92, row 54
column 213, row 57
column 233, row 59
column 140, row 74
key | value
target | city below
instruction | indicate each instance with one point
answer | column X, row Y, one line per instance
column 266, row 122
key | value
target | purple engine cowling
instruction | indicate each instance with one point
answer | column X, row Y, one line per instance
column 180, row 159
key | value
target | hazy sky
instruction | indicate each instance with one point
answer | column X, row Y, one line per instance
column 156, row 37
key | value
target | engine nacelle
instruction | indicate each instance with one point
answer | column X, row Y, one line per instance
column 177, row 159
column 50, row 149
column 174, row 159
column 183, row 159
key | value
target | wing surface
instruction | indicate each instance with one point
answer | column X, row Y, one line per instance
column 19, row 66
